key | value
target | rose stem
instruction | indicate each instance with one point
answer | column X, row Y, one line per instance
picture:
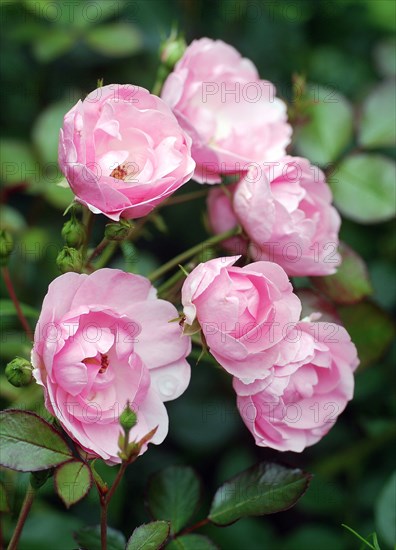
column 185, row 197
column 88, row 221
column 104, row 499
column 27, row 503
column 181, row 258
column 194, row 527
column 10, row 288
column 101, row 246
column 103, row 522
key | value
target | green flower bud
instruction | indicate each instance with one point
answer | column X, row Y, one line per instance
column 19, row 372
column 69, row 259
column 128, row 419
column 118, row 231
column 74, row 232
column 6, row 246
column 172, row 49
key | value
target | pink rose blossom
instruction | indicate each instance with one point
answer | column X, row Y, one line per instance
column 285, row 210
column 101, row 340
column 233, row 117
column 245, row 313
column 300, row 401
column 123, row 151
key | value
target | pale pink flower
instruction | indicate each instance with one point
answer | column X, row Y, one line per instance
column 245, row 313
column 306, row 391
column 123, row 151
column 102, row 340
column 233, row 117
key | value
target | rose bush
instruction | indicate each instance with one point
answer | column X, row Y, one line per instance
column 300, row 401
column 233, row 117
column 102, row 340
column 245, row 313
column 123, row 151
column 285, row 210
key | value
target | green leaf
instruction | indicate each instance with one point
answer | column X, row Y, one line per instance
column 370, row 328
column 328, row 130
column 191, row 542
column 350, row 284
column 364, row 188
column 73, row 481
column 29, row 443
column 4, row 506
column 7, row 308
column 149, row 536
column 377, row 123
column 45, row 134
column 263, row 489
column 88, row 538
column 18, row 164
column 173, row 495
column 52, row 44
column 385, row 512
column 115, row 39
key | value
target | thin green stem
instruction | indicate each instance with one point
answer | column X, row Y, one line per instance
column 88, row 221
column 27, row 504
column 167, row 285
column 185, row 197
column 181, row 258
column 358, row 536
column 162, row 73
column 107, row 254
column 11, row 291
column 101, row 246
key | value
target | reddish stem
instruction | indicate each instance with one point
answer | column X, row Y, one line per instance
column 10, row 288
column 197, row 525
column 27, row 504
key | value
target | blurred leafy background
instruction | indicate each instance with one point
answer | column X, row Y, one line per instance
column 53, row 54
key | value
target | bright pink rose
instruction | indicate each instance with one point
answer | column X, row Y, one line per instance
column 245, row 313
column 233, row 117
column 123, row 151
column 285, row 209
column 101, row 340
column 306, row 392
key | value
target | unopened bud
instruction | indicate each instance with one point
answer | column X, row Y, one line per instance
column 69, row 259
column 128, row 419
column 118, row 231
column 74, row 232
column 19, row 372
column 6, row 246
column 172, row 49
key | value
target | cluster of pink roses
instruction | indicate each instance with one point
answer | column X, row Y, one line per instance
column 105, row 339
column 292, row 378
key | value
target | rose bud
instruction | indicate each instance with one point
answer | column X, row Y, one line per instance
column 74, row 232
column 19, row 372
column 118, row 231
column 172, row 49
column 69, row 259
